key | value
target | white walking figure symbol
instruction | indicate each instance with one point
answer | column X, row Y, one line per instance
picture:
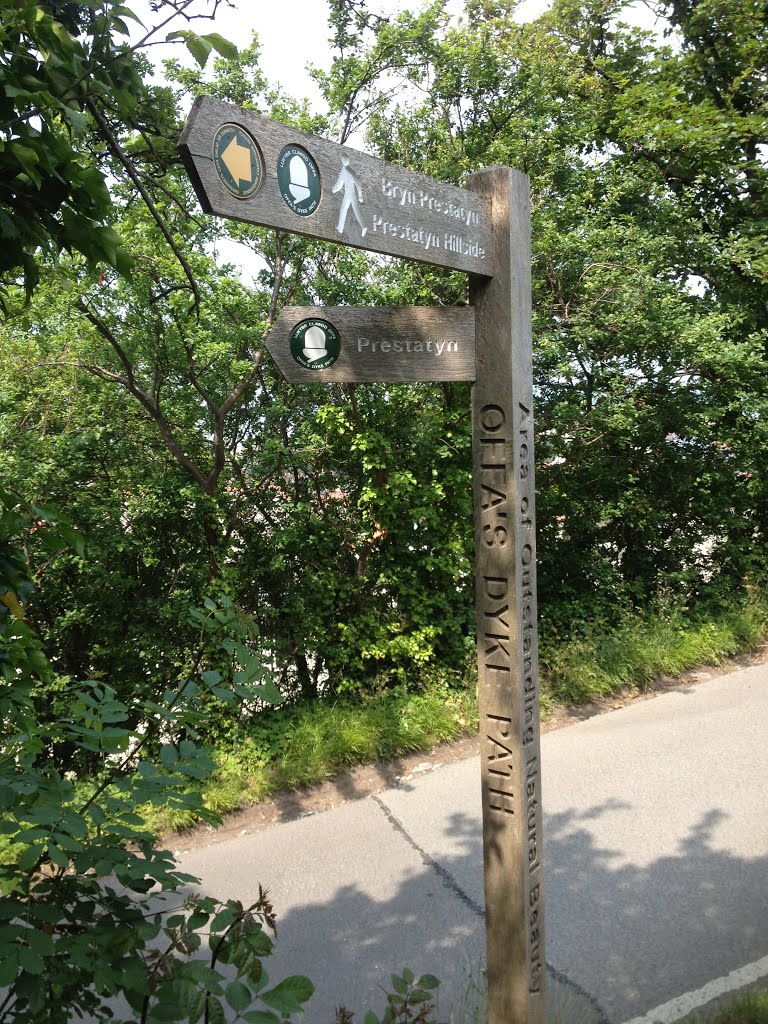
column 353, row 195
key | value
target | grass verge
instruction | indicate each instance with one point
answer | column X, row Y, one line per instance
column 310, row 743
column 302, row 745
column 748, row 1008
column 599, row 661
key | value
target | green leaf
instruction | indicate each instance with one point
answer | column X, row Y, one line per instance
column 77, row 120
column 238, row 996
column 203, row 975
column 261, row 1017
column 58, row 857
column 74, row 538
column 66, row 841
column 126, row 12
column 27, row 157
column 9, row 909
column 28, row 835
column 197, row 920
column 169, row 755
column 195, row 1003
column 9, row 968
column 222, row 45
column 142, row 885
column 400, row 985
column 199, row 47
column 29, row 858
column 167, row 1012
column 269, row 693
column 39, row 942
column 259, row 942
column 224, row 919
column 30, row 961
column 419, row 995
column 290, row 995
column 8, row 228
column 428, row 981
column 96, row 814
column 215, row 1011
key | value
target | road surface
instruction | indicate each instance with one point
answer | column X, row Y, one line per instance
column 656, row 869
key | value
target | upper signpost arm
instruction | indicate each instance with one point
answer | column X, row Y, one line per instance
column 253, row 169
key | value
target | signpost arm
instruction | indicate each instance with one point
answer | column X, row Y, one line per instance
column 502, row 429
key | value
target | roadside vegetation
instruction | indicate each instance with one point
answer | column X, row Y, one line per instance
column 301, row 745
column 750, row 1008
column 643, row 647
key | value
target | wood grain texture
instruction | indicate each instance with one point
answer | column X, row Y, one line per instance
column 401, row 212
column 502, row 431
column 419, row 343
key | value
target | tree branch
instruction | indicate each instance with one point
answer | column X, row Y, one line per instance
column 149, row 403
column 132, row 173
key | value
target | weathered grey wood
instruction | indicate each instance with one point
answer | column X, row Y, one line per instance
column 418, row 343
column 506, row 610
column 402, row 212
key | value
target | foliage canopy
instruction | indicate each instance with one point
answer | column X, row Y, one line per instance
column 339, row 519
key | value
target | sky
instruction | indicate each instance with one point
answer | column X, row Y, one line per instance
column 293, row 33
column 286, row 51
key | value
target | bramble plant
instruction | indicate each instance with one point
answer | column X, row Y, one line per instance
column 411, row 1001
column 94, row 917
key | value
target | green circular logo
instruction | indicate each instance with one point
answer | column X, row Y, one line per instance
column 237, row 160
column 299, row 180
column 315, row 344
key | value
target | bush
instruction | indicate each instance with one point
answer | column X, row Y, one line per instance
column 90, row 907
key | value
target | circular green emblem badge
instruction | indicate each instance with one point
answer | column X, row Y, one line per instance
column 237, row 160
column 299, row 180
column 315, row 344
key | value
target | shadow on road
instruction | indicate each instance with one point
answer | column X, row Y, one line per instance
column 627, row 936
column 665, row 927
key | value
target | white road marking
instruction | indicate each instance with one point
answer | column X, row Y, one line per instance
column 680, row 1007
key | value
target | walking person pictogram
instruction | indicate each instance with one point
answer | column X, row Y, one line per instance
column 353, row 196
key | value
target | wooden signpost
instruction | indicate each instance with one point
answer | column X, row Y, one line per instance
column 262, row 172
column 253, row 169
column 311, row 344
column 505, row 600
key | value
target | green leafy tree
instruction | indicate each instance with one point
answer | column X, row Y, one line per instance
column 192, row 467
column 339, row 518
column 647, row 172
column 91, row 909
column 67, row 70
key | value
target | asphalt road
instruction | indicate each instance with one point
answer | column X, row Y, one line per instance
column 656, row 869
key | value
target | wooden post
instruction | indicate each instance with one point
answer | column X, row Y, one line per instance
column 502, row 426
